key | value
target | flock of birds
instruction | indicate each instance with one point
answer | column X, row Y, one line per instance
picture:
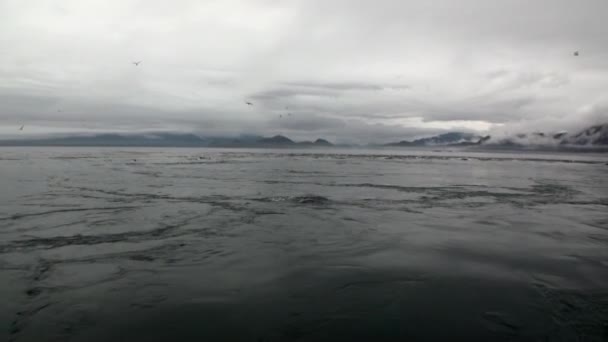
column 137, row 63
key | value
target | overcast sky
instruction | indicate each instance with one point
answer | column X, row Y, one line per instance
column 347, row 70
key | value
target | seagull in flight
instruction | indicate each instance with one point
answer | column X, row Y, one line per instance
column 137, row 63
column 249, row 103
column 576, row 53
column 21, row 128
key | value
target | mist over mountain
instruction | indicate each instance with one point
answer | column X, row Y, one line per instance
column 452, row 138
column 594, row 136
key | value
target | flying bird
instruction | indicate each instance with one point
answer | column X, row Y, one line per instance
column 137, row 63
column 576, row 53
column 249, row 103
column 21, row 128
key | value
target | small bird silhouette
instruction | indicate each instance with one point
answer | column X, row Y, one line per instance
column 21, row 128
column 137, row 63
column 281, row 116
column 249, row 103
column 576, row 53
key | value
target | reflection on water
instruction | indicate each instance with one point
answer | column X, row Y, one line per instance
column 187, row 244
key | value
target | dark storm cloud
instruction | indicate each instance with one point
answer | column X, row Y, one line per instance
column 352, row 69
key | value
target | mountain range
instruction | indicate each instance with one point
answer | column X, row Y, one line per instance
column 594, row 136
column 447, row 139
column 166, row 140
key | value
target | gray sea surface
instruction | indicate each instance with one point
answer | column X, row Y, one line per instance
column 145, row 244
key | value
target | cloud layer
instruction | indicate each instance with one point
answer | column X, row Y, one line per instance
column 350, row 70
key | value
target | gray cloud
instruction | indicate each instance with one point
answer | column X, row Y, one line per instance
column 346, row 86
column 379, row 70
column 308, row 122
column 278, row 94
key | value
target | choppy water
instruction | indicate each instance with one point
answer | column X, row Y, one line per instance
column 195, row 244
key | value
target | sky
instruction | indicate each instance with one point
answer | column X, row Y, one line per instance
column 353, row 71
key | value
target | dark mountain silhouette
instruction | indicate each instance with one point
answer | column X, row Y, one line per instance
column 318, row 142
column 322, row 142
column 276, row 140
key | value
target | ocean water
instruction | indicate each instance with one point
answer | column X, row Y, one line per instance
column 293, row 245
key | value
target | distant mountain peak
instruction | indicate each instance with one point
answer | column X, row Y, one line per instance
column 277, row 140
column 322, row 142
